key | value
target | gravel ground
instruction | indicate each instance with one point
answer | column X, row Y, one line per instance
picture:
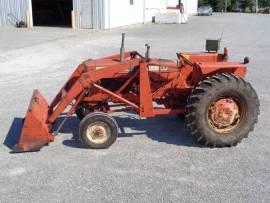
column 155, row 160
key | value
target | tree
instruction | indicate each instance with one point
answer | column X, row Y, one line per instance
column 217, row 5
column 203, row 2
column 247, row 4
column 264, row 3
column 231, row 5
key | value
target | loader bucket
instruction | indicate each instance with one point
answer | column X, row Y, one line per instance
column 35, row 132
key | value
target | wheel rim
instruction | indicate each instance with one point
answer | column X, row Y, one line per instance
column 224, row 115
column 98, row 132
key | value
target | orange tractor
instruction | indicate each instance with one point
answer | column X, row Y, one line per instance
column 220, row 107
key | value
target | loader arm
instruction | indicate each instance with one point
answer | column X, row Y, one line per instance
column 36, row 130
column 85, row 81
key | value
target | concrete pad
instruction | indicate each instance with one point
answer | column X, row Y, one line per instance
column 155, row 160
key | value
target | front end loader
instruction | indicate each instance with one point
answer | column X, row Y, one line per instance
column 220, row 107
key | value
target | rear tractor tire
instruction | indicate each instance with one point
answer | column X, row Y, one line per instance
column 98, row 130
column 222, row 110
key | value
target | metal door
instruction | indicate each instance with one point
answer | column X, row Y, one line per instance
column 86, row 13
column 89, row 13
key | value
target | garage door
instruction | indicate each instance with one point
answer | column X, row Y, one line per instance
column 86, row 13
column 83, row 13
column 89, row 13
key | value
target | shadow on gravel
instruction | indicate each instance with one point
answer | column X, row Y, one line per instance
column 167, row 129
column 13, row 133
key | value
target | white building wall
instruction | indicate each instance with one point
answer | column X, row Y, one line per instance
column 190, row 6
column 174, row 2
column 121, row 12
column 152, row 7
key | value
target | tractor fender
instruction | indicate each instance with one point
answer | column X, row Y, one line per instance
column 204, row 69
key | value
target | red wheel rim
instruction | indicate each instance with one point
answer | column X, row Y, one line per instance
column 224, row 115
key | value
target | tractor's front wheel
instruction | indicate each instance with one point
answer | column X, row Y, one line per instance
column 222, row 110
column 98, row 130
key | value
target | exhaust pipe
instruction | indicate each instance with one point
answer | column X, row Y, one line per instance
column 147, row 53
column 122, row 49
